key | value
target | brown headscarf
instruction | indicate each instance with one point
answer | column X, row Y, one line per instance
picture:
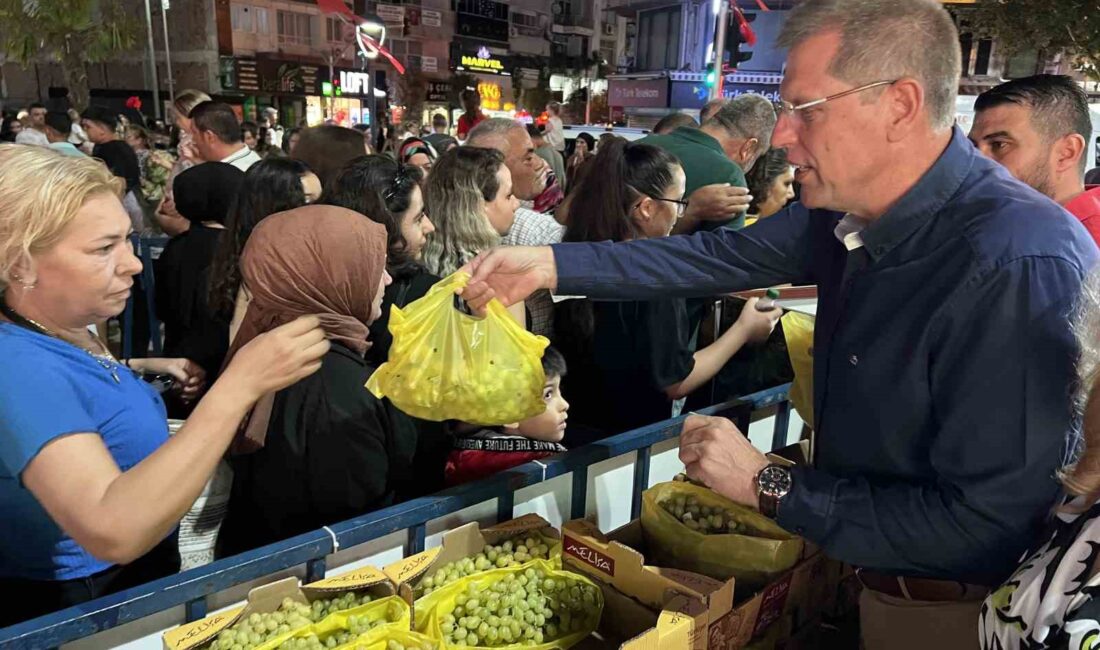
column 317, row 259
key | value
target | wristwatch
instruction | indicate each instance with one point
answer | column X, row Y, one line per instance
column 772, row 484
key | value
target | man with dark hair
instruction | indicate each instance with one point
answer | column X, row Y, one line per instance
column 59, row 127
column 720, row 152
column 217, row 136
column 673, row 121
column 34, row 129
column 471, row 104
column 1039, row 128
column 439, row 138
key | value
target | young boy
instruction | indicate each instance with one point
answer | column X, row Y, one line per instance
column 488, row 451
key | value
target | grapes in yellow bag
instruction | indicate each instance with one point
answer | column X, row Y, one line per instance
column 758, row 551
column 530, row 606
column 447, row 365
column 798, row 329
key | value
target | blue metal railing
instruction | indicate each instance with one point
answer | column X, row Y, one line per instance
column 191, row 588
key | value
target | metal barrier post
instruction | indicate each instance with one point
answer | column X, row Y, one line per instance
column 315, row 570
column 417, row 537
column 194, row 610
column 641, row 480
column 580, row 493
column 506, row 504
column 782, row 425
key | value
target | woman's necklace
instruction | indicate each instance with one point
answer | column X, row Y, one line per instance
column 106, row 360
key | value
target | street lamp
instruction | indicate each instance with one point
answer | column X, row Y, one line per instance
column 371, row 27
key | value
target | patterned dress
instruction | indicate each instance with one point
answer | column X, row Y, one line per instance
column 1050, row 601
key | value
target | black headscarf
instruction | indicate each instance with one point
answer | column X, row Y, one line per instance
column 205, row 192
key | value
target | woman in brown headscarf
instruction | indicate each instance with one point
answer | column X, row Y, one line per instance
column 324, row 449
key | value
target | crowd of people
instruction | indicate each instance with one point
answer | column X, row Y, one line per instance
column 956, row 342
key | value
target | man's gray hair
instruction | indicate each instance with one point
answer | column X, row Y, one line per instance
column 710, row 108
column 886, row 40
column 493, row 133
column 747, row 116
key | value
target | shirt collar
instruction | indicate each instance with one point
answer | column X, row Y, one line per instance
column 921, row 203
column 696, row 135
column 239, row 154
column 850, row 231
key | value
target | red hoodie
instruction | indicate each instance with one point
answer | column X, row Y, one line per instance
column 488, row 451
column 1086, row 207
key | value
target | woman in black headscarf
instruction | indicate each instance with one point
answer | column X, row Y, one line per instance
column 203, row 195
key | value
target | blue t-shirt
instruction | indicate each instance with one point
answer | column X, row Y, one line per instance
column 49, row 389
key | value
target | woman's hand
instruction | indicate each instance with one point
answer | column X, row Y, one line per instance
column 189, row 376
column 757, row 325
column 279, row 358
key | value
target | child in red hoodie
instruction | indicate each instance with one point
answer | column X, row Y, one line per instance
column 488, row 451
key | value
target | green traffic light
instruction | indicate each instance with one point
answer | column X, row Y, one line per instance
column 711, row 78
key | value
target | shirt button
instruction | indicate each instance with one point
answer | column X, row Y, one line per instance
column 854, row 360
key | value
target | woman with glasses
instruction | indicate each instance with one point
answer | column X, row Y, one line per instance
column 630, row 363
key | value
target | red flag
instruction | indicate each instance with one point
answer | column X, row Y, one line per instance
column 747, row 35
column 338, row 7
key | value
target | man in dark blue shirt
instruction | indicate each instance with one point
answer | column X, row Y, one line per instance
column 943, row 353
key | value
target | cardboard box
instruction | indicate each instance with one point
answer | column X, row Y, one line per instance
column 268, row 598
column 462, row 542
column 651, row 607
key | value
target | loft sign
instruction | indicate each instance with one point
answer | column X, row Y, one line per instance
column 354, row 83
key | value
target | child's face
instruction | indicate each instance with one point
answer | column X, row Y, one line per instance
column 548, row 426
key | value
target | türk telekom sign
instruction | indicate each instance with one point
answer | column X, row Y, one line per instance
column 638, row 93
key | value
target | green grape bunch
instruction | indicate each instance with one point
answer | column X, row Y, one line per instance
column 356, row 627
column 526, row 607
column 512, row 552
column 257, row 629
column 704, row 519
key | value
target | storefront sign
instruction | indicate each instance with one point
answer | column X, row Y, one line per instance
column 289, row 78
column 354, row 83
column 490, row 95
column 430, row 18
column 439, row 91
column 638, row 93
column 483, row 61
column 391, row 15
column 247, row 76
column 691, row 94
column 429, row 64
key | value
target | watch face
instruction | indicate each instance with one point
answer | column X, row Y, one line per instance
column 775, row 481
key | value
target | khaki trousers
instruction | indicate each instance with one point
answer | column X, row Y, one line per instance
column 893, row 623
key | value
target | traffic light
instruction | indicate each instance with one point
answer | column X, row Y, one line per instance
column 739, row 33
column 711, row 77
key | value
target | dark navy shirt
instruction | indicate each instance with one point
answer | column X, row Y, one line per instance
column 944, row 360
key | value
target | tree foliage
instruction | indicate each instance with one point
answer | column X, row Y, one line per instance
column 1049, row 26
column 72, row 32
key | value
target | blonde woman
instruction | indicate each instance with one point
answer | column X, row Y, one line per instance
column 91, row 488
column 1049, row 602
column 469, row 198
column 167, row 217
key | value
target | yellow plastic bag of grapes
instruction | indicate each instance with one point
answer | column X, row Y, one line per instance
column 390, row 638
column 533, row 606
column 798, row 331
column 447, row 365
column 348, row 625
column 754, row 559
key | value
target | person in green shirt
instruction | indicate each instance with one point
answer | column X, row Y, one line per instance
column 715, row 158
